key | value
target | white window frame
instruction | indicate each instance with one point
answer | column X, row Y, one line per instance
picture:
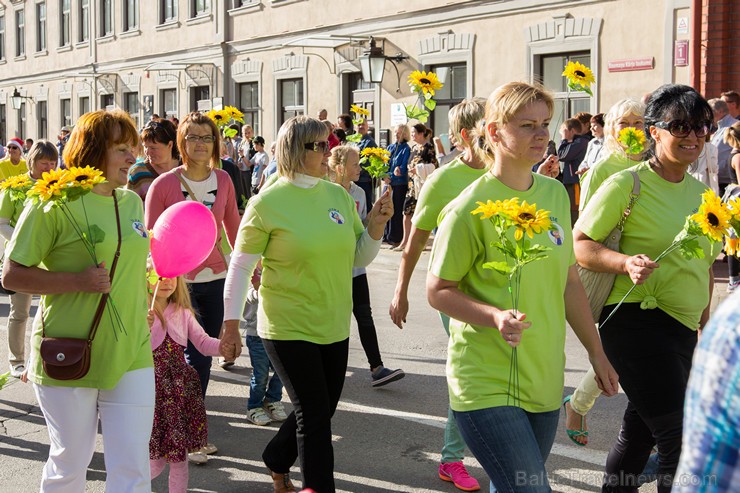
column 65, row 22
column 106, row 17
column 130, row 18
column 163, row 19
column 83, row 32
column 41, row 26
column 199, row 11
column 20, row 33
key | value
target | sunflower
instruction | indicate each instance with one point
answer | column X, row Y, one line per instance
column 16, row 182
column 732, row 246
column 376, row 152
column 86, row 177
column 491, row 208
column 579, row 74
column 713, row 216
column 219, row 117
column 632, row 140
column 50, row 185
column 358, row 110
column 528, row 219
column 234, row 114
column 426, row 82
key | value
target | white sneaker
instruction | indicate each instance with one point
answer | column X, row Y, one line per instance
column 197, row 457
column 224, row 363
column 258, row 416
column 276, row 410
column 209, row 449
column 17, row 370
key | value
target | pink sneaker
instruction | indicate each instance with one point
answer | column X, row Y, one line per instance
column 456, row 473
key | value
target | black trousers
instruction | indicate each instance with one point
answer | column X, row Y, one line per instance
column 394, row 228
column 365, row 323
column 651, row 352
column 313, row 376
column 208, row 303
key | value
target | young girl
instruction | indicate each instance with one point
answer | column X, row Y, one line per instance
column 179, row 414
column 344, row 168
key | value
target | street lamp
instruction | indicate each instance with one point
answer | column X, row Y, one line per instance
column 372, row 63
column 16, row 100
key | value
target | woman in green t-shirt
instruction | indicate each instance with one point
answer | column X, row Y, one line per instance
column 510, row 425
column 42, row 157
column 308, row 234
column 650, row 339
column 46, row 256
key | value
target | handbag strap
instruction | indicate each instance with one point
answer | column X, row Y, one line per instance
column 104, row 296
column 634, row 195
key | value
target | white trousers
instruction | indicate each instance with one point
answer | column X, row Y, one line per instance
column 126, row 413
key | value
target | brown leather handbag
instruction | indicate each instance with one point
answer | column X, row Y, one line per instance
column 68, row 358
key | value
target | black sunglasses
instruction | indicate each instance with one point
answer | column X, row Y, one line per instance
column 322, row 146
column 682, row 128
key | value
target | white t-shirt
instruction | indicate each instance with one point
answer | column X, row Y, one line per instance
column 259, row 161
column 205, row 192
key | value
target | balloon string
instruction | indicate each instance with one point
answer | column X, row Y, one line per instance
column 154, row 297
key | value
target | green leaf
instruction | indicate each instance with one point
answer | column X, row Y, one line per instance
column 230, row 132
column 691, row 249
column 97, row 235
column 415, row 113
column 430, row 104
column 500, row 267
column 4, row 379
column 356, row 137
column 358, row 122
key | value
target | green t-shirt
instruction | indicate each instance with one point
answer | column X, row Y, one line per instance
column 8, row 169
column 599, row 172
column 478, row 358
column 440, row 188
column 679, row 287
column 48, row 240
column 307, row 239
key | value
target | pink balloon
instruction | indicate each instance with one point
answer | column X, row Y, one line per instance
column 182, row 238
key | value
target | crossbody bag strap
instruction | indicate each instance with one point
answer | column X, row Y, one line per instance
column 178, row 173
column 634, row 195
column 104, row 297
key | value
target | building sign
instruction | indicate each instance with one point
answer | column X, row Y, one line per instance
column 682, row 25
column 631, row 64
column 681, row 53
column 398, row 114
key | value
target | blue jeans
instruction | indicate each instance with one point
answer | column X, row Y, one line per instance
column 261, row 386
column 512, row 445
column 453, row 449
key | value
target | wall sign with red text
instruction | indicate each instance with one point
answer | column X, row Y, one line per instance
column 630, row 64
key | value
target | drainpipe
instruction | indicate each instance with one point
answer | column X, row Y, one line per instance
column 695, row 51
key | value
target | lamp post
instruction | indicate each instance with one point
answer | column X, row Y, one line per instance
column 372, row 63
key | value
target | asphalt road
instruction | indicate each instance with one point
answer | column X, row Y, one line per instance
column 385, row 440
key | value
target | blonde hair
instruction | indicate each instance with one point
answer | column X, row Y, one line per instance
column 180, row 297
column 338, row 158
column 465, row 115
column 732, row 136
column 292, row 138
column 501, row 107
column 611, row 122
column 405, row 132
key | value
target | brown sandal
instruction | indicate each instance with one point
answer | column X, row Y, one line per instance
column 281, row 482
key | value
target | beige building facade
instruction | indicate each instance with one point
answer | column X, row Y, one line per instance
column 277, row 58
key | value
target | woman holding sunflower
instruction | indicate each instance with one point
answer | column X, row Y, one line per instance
column 650, row 339
column 42, row 157
column 509, row 422
column 118, row 389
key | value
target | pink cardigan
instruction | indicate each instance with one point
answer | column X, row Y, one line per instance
column 165, row 191
column 182, row 326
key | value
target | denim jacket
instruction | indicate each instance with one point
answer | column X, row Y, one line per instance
column 400, row 153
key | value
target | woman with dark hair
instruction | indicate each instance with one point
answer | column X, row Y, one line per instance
column 308, row 234
column 118, row 389
column 651, row 337
column 595, row 148
column 398, row 179
column 41, row 158
column 200, row 179
column 160, row 148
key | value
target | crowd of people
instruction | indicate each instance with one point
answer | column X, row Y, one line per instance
column 297, row 225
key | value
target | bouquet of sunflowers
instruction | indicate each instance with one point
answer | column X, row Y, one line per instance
column 225, row 117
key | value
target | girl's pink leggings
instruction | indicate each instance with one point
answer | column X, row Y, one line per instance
column 178, row 474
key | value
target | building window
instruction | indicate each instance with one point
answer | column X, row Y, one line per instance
column 567, row 103
column 130, row 15
column 20, row 33
column 455, row 77
column 168, row 98
column 64, row 13
column 291, row 99
column 131, row 106
column 65, row 106
column 199, row 7
column 2, row 39
column 106, row 18
column 41, row 26
column 242, row 3
column 249, row 104
column 84, row 103
column 107, row 101
column 199, row 93
column 168, row 11
column 22, row 121
column 84, row 34
column 43, row 119
column 3, row 123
